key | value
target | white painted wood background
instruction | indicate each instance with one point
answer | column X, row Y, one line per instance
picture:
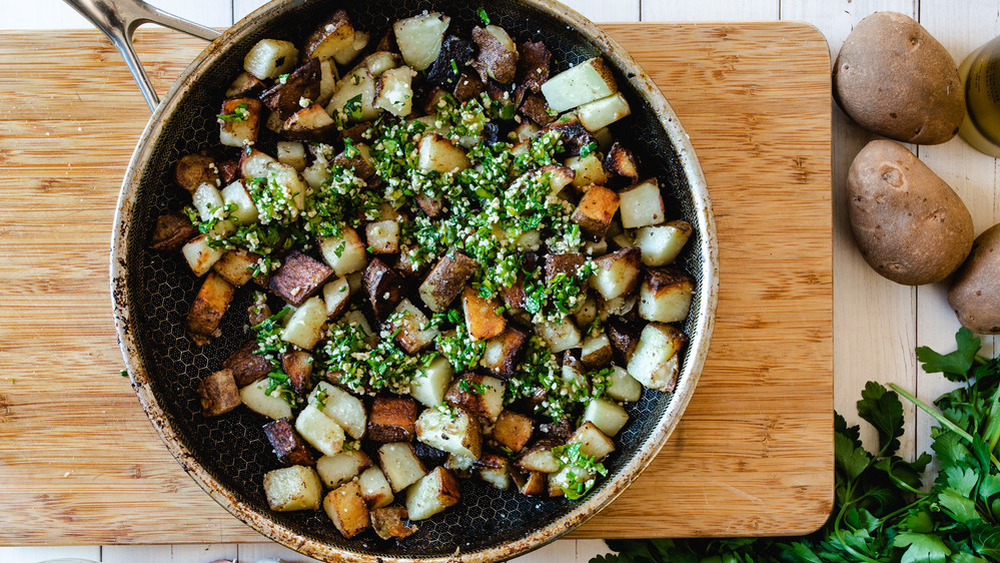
column 877, row 324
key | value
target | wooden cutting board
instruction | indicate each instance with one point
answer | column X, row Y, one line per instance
column 80, row 463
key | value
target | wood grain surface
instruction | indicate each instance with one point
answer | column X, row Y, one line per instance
column 80, row 464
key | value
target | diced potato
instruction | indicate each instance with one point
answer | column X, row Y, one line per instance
column 617, row 273
column 193, row 170
column 655, row 361
column 375, row 488
column 319, row 430
column 513, row 430
column 327, row 82
column 479, row 394
column 481, row 317
column 218, row 393
column 388, row 522
column 346, row 507
column 345, row 254
column 337, row 296
column 353, row 97
column 587, row 170
column 294, row 91
column 497, row 53
column 270, row 57
column 298, row 364
column 300, row 277
column 455, row 432
column 660, row 244
column 293, row 488
column 559, row 335
column 596, row 351
column 665, row 295
column 208, row 200
column 588, row 81
column 245, row 85
column 419, row 38
column 624, row 337
column 620, row 162
column 539, row 458
column 617, row 307
column 431, row 382
column 359, row 43
column 587, row 312
column 172, row 231
column 401, row 465
column 622, row 386
column 383, row 236
column 595, row 211
column 379, row 62
column 504, row 351
column 254, row 163
column 570, row 477
column 243, row 124
column 357, row 319
column 304, row 328
column 394, row 92
column 460, row 466
column 438, row 154
column 392, row 419
column 255, row 397
column 530, row 484
column 642, row 205
column 290, row 448
column 288, row 182
column 311, row 123
column 384, row 287
column 335, row 470
column 343, row 408
column 432, row 494
column 593, row 442
column 607, row 416
column 603, row 112
column 208, row 308
column 413, row 334
column 330, row 38
column 446, row 280
column 495, row 470
column 243, row 209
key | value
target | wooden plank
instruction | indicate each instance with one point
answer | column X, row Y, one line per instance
column 764, row 148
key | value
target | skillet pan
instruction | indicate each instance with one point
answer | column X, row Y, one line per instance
column 227, row 456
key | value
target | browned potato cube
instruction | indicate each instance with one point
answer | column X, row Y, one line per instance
column 495, row 470
column 300, row 277
column 539, row 458
column 388, row 522
column 479, row 394
column 533, row 66
column 236, row 266
column 284, row 97
column 392, row 419
column 665, row 295
column 384, row 287
column 596, row 351
column 532, row 483
column 468, row 86
column 346, row 507
column 534, row 108
column 497, row 53
column 331, row 37
column 246, row 366
column 171, row 232
column 311, row 123
column 290, row 448
column 411, row 327
column 430, row 205
column 298, row 365
column 619, row 161
column 194, row 170
column 446, row 280
column 208, row 308
column 566, row 264
column 513, row 430
column 481, row 317
column 245, row 85
column 218, row 393
column 514, row 296
column 596, row 210
column 617, row 274
column 359, row 160
column 624, row 337
column 242, row 121
column 433, row 493
column 504, row 351
column 574, row 135
column 383, row 237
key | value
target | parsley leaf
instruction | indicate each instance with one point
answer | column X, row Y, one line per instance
column 483, row 16
column 241, row 113
column 953, row 366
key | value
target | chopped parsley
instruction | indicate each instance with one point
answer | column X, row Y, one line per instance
column 578, row 470
column 483, row 16
column 588, row 149
column 241, row 113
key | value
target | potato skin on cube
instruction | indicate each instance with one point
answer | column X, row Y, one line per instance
column 290, row 448
column 665, row 295
column 293, row 488
column 388, row 522
column 655, row 362
column 171, row 232
column 596, row 210
column 479, row 394
column 244, row 126
column 384, row 287
column 617, row 273
column 513, row 430
column 284, row 97
column 432, row 494
column 300, row 277
column 346, row 506
column 456, row 432
column 392, row 419
column 247, row 366
column 209, row 306
column 218, row 393
column 481, row 317
column 446, row 280
column 504, row 351
column 193, row 170
column 332, row 36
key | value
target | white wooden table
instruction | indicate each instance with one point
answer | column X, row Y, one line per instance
column 877, row 324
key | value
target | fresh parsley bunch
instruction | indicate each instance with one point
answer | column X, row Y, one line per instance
column 882, row 513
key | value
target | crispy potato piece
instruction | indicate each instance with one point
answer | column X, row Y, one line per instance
column 596, row 210
column 383, row 236
column 441, row 71
column 236, row 266
column 596, row 351
column 401, row 465
column 388, row 522
column 497, row 54
column 218, row 393
column 419, row 38
column 299, row 278
column 194, row 170
column 311, row 123
column 298, row 365
column 504, row 351
column 456, row 432
column 243, row 125
column 642, row 205
column 468, row 86
column 358, row 159
column 533, row 65
column 375, row 488
column 269, row 58
column 438, row 154
column 446, row 280
column 285, row 97
column 665, row 295
column 495, row 470
column 624, row 337
column 479, row 394
column 531, row 483
column 290, row 448
column 335, row 470
column 208, row 308
column 574, row 135
column 346, row 506
column 565, row 264
column 392, row 419
column 481, row 317
column 245, row 85
column 513, row 430
column 534, row 108
column 293, row 488
column 655, row 362
column 620, row 162
column 617, row 273
column 332, row 36
column 412, row 325
column 384, row 287
column 171, row 232
column 433, row 493
column 246, row 366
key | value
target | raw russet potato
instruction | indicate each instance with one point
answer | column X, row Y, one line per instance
column 975, row 292
column 910, row 226
column 893, row 78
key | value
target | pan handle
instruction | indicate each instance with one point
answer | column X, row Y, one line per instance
column 118, row 19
